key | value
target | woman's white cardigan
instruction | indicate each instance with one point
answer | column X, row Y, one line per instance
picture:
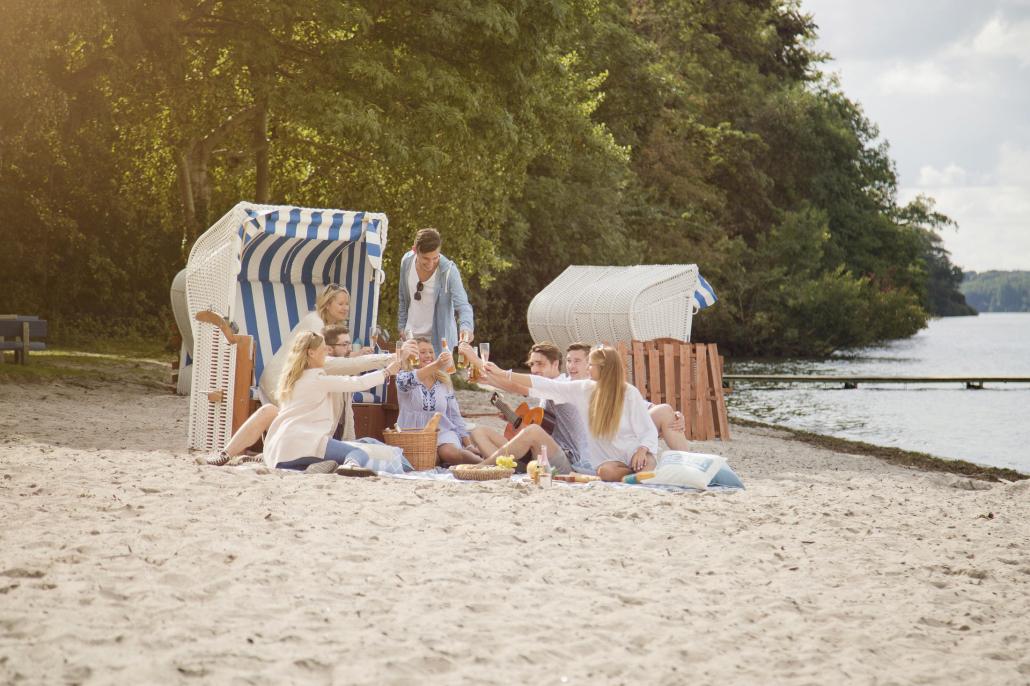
column 347, row 366
column 306, row 421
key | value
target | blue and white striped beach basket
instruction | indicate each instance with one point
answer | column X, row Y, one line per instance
column 263, row 266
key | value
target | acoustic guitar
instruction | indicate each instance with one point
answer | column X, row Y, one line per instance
column 522, row 416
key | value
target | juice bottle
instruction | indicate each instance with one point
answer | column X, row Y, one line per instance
column 443, row 344
column 544, row 465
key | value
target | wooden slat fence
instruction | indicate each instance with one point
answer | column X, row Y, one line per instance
column 687, row 376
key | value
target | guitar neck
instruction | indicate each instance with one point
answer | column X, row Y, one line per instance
column 509, row 414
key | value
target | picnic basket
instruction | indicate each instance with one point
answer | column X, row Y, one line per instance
column 418, row 445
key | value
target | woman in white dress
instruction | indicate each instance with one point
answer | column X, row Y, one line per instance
column 300, row 438
column 621, row 437
column 332, row 307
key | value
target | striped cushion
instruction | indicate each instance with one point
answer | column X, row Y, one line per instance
column 288, row 257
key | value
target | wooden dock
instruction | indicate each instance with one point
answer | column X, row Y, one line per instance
column 972, row 382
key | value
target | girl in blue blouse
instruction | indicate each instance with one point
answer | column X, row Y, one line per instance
column 425, row 391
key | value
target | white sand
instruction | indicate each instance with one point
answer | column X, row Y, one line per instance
column 125, row 562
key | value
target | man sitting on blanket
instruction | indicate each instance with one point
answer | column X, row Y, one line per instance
column 566, row 448
column 671, row 427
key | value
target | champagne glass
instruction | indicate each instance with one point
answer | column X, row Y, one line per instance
column 381, row 336
column 484, row 352
column 398, row 344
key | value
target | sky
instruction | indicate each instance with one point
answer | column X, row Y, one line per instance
column 948, row 84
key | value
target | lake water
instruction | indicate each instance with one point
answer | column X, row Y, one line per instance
column 989, row 426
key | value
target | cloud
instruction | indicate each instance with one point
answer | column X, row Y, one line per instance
column 946, row 83
column 962, row 67
column 993, row 212
column 919, row 78
column 946, row 73
column 1002, row 39
column 951, row 175
column 1014, row 166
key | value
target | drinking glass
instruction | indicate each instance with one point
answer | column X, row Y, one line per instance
column 413, row 360
column 380, row 335
column 484, row 352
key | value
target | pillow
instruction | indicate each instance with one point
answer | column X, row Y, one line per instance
column 694, row 470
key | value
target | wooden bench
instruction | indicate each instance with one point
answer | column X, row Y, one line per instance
column 687, row 376
column 21, row 334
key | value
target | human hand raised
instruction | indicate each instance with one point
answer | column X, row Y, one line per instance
column 445, row 360
column 470, row 353
column 409, row 349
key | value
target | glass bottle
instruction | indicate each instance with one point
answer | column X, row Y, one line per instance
column 544, row 465
column 451, row 369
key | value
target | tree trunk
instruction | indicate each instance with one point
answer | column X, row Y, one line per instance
column 262, row 175
column 193, row 159
column 189, row 208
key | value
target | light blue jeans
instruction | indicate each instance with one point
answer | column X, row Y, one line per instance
column 340, row 452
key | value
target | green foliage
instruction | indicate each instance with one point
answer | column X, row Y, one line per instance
column 534, row 134
column 998, row 291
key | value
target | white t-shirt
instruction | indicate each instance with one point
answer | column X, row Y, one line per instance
column 635, row 426
column 420, row 312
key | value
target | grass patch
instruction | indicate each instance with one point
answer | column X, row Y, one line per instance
column 94, row 368
column 905, row 458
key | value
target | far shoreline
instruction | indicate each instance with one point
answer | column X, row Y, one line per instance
column 896, row 456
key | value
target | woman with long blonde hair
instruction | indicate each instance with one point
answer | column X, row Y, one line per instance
column 301, row 435
column 621, row 436
column 428, row 390
column 332, row 308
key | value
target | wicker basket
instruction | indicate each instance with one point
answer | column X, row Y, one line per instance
column 418, row 445
column 467, row 472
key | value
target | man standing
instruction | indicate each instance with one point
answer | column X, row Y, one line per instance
column 431, row 293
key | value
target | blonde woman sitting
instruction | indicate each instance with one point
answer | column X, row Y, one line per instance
column 621, row 437
column 332, row 307
column 300, row 438
column 428, row 390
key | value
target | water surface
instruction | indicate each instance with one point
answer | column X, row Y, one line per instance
column 989, row 426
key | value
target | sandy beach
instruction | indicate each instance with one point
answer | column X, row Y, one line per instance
column 125, row 562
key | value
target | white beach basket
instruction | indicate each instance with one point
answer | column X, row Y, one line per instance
column 612, row 304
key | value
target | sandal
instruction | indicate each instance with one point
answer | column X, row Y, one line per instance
column 218, row 459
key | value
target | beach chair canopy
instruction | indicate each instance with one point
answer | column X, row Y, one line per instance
column 263, row 267
column 613, row 304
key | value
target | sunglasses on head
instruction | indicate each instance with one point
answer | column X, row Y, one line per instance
column 418, row 290
column 330, row 287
